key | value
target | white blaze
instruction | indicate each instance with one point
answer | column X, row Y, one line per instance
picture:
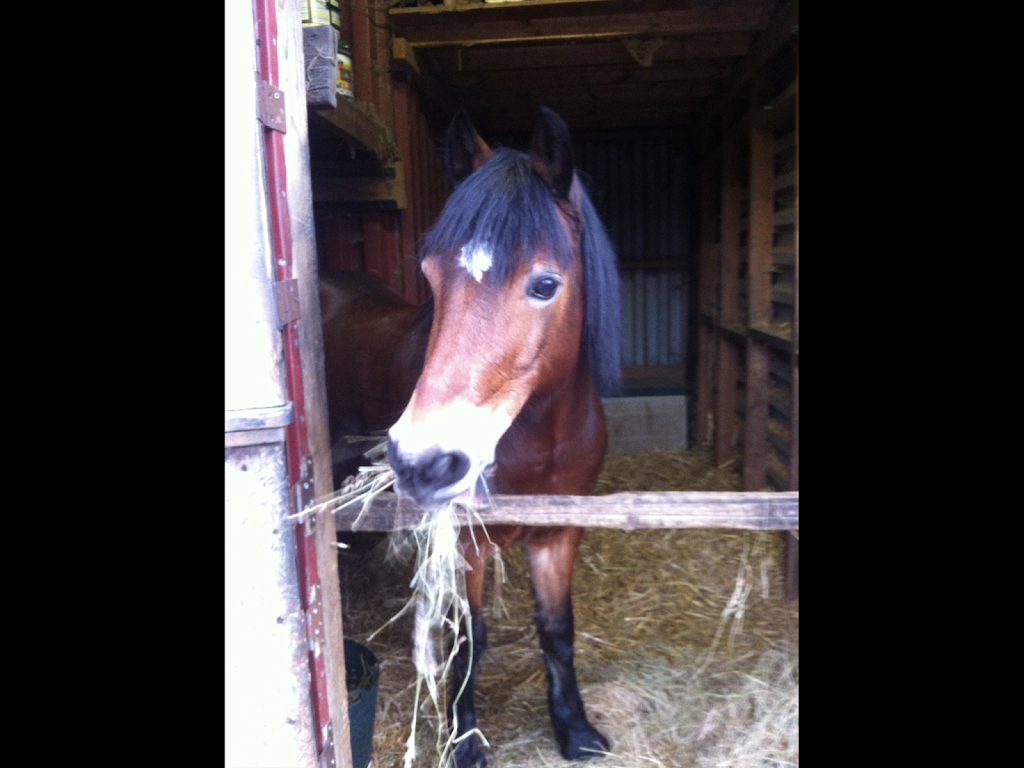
column 476, row 259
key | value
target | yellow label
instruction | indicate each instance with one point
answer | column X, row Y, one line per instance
column 317, row 13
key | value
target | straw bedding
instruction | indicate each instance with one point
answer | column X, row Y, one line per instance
column 663, row 674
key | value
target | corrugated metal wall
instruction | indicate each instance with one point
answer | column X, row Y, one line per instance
column 643, row 190
column 654, row 310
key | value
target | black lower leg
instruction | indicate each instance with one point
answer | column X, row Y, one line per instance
column 461, row 712
column 575, row 736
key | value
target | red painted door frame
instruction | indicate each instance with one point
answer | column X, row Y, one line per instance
column 297, row 447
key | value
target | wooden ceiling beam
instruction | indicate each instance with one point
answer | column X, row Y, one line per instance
column 654, row 95
column 500, row 121
column 600, row 53
column 483, row 24
column 527, row 80
column 782, row 27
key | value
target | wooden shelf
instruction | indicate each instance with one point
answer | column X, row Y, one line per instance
column 786, row 100
column 785, row 181
column 358, row 122
column 774, row 339
column 383, row 192
column 782, row 295
column 784, row 257
column 738, row 333
column 786, row 217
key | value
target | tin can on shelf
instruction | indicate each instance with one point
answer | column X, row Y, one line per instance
column 346, row 85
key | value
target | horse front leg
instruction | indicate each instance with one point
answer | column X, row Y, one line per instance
column 462, row 712
column 551, row 565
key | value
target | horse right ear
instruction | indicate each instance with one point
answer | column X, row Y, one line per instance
column 464, row 150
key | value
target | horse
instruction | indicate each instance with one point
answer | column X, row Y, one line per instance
column 524, row 327
column 375, row 343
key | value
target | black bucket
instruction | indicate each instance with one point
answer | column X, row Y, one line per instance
column 362, row 673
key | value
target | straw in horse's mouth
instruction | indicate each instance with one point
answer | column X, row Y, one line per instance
column 477, row 494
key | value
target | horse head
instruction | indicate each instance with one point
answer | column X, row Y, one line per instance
column 507, row 265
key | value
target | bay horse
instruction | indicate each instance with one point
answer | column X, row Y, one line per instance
column 524, row 327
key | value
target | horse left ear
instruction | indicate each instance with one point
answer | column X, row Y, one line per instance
column 465, row 151
column 551, row 152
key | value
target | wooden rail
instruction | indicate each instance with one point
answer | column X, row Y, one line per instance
column 625, row 511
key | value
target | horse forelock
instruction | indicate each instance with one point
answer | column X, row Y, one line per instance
column 497, row 219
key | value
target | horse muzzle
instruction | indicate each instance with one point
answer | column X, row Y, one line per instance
column 430, row 478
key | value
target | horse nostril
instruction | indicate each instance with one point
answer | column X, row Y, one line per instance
column 443, row 469
column 421, row 477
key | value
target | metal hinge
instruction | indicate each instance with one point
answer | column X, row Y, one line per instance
column 304, row 491
column 315, row 622
column 288, row 309
column 270, row 107
column 327, row 757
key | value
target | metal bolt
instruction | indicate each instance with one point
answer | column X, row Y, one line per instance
column 277, row 94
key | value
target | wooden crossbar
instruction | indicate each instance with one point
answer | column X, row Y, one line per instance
column 625, row 511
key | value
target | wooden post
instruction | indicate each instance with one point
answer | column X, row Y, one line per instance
column 383, row 98
column 362, row 45
column 793, row 543
column 407, row 249
column 310, row 336
column 708, row 278
column 759, row 288
column 728, row 303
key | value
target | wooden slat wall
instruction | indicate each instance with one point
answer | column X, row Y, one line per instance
column 748, row 320
column 385, row 243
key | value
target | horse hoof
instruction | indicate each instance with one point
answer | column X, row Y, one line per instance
column 469, row 755
column 583, row 742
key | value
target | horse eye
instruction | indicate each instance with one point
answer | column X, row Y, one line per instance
column 543, row 288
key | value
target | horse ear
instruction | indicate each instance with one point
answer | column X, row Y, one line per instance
column 465, row 151
column 551, row 152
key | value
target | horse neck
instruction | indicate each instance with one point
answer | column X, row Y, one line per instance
column 557, row 442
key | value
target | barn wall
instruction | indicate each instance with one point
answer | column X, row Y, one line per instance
column 749, row 280
column 381, row 239
column 643, row 189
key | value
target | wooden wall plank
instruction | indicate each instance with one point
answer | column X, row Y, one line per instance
column 373, row 236
column 755, row 434
column 363, row 41
column 761, row 223
column 403, row 138
column 725, row 404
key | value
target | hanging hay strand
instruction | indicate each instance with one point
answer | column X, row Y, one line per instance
column 438, row 593
column 648, row 608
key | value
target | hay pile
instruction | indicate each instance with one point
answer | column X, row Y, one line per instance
column 662, row 675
